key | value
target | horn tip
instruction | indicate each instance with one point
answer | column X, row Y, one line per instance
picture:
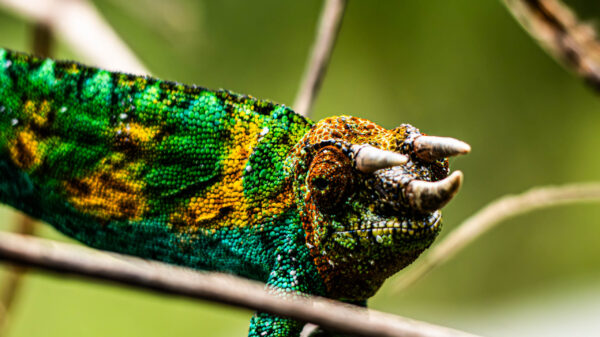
column 456, row 178
column 399, row 159
column 433, row 147
column 463, row 148
column 431, row 196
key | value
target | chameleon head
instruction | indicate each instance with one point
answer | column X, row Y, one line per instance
column 370, row 199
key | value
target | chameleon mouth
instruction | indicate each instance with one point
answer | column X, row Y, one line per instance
column 404, row 227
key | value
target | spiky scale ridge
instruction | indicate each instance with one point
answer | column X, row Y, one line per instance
column 208, row 179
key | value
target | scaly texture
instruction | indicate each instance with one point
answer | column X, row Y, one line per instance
column 209, row 179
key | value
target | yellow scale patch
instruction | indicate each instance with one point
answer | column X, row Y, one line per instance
column 73, row 69
column 138, row 133
column 24, row 150
column 110, row 193
column 224, row 202
column 25, row 147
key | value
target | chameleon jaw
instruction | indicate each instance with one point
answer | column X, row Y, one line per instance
column 401, row 227
column 360, row 255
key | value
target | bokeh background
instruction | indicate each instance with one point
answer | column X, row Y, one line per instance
column 457, row 68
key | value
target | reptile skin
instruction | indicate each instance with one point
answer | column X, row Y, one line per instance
column 208, row 179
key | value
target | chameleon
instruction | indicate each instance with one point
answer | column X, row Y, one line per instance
column 215, row 180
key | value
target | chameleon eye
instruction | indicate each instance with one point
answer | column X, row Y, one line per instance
column 321, row 183
column 330, row 177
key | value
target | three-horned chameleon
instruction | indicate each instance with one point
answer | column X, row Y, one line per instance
column 219, row 181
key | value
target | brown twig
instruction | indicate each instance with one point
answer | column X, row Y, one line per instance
column 316, row 67
column 491, row 215
column 329, row 27
column 12, row 281
column 558, row 31
column 228, row 289
column 79, row 24
column 42, row 40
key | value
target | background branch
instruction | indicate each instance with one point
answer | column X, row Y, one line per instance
column 557, row 29
column 316, row 67
column 329, row 27
column 160, row 277
column 491, row 215
column 78, row 23
column 12, row 281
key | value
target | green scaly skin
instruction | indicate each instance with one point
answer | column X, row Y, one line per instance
column 207, row 179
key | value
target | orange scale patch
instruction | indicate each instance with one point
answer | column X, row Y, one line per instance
column 108, row 194
column 356, row 131
column 24, row 150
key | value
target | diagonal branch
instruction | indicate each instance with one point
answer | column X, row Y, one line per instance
column 558, row 31
column 79, row 24
column 491, row 215
column 163, row 278
column 329, row 27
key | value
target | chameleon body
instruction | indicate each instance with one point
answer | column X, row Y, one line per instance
column 210, row 180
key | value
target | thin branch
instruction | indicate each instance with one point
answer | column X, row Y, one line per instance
column 316, row 67
column 79, row 24
column 557, row 29
column 42, row 40
column 494, row 213
column 329, row 27
column 12, row 281
column 228, row 289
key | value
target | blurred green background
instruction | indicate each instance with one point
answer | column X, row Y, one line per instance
column 455, row 68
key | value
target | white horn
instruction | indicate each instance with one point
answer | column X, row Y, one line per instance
column 431, row 148
column 369, row 158
column 429, row 196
